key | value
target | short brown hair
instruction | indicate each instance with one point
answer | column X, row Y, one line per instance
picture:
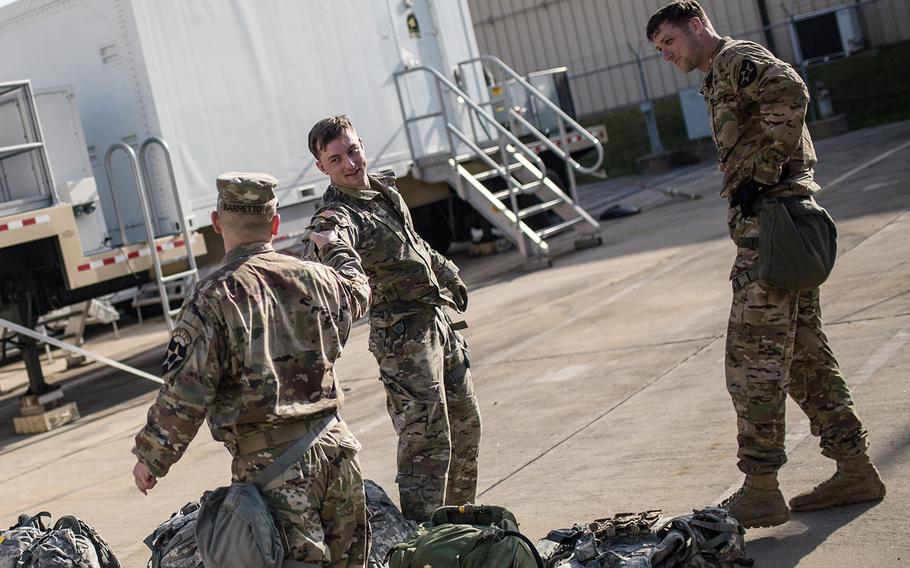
column 676, row 13
column 326, row 130
column 251, row 227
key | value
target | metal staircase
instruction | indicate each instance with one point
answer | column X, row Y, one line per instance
column 498, row 173
column 140, row 168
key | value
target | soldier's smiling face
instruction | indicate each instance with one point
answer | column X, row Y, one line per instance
column 344, row 161
column 678, row 43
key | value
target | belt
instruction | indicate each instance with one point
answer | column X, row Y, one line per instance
column 278, row 436
column 742, row 279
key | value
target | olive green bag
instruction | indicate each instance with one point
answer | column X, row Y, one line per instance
column 797, row 247
column 467, row 537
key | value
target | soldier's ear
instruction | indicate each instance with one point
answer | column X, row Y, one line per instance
column 696, row 25
column 321, row 168
column 276, row 222
column 216, row 222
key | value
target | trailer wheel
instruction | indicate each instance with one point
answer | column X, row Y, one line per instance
column 432, row 223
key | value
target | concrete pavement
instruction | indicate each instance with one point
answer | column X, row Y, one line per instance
column 600, row 380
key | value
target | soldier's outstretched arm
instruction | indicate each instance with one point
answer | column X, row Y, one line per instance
column 782, row 99
column 191, row 370
column 332, row 240
column 325, row 220
column 339, row 255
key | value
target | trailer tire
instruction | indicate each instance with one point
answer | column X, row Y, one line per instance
column 432, row 224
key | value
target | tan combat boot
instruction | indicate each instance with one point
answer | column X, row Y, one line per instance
column 855, row 481
column 758, row 503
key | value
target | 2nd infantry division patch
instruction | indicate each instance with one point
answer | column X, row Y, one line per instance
column 176, row 353
column 747, row 73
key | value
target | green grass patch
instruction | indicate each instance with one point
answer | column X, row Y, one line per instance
column 628, row 135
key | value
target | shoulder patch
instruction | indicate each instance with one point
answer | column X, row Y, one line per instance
column 176, row 354
column 748, row 72
column 328, row 219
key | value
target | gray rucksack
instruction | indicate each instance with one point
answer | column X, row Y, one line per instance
column 709, row 538
column 173, row 543
column 71, row 542
column 19, row 537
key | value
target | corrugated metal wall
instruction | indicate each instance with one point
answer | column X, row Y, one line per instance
column 600, row 40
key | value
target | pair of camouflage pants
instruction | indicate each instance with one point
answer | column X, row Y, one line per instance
column 320, row 508
column 430, row 398
column 776, row 346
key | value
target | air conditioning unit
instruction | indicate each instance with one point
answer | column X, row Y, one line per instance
column 834, row 32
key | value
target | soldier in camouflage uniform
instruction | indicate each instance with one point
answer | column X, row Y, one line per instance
column 423, row 362
column 253, row 353
column 775, row 343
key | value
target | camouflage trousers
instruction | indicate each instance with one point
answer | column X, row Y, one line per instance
column 320, row 509
column 775, row 347
column 430, row 398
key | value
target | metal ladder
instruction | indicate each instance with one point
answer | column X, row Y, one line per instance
column 142, row 179
column 501, row 155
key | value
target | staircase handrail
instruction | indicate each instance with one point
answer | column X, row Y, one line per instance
column 582, row 131
column 184, row 224
column 478, row 111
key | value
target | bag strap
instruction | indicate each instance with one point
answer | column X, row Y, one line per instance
column 292, row 454
column 34, row 522
column 529, row 544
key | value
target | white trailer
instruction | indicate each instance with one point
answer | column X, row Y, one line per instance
column 229, row 85
column 171, row 93
column 236, row 84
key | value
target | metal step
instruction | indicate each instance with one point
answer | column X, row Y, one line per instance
column 483, row 176
column 539, row 208
column 525, row 188
column 178, row 275
column 489, row 151
column 501, row 216
column 556, row 229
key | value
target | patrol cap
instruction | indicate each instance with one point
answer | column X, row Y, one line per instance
column 247, row 192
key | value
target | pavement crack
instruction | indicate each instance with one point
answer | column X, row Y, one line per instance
column 565, row 354
column 602, row 415
column 868, row 319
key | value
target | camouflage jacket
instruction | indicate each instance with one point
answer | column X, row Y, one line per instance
column 757, row 108
column 406, row 274
column 254, row 348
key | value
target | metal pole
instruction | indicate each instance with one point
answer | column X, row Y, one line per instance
column 110, row 185
column 39, row 134
column 29, row 348
column 34, row 335
column 570, row 171
column 800, row 61
column 647, row 107
column 404, row 116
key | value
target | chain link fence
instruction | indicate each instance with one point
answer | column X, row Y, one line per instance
column 612, row 65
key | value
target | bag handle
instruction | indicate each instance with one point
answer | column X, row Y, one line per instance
column 293, row 453
column 34, row 522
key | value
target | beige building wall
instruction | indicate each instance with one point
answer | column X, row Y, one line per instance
column 600, row 40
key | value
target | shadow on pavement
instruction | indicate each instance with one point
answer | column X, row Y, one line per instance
column 97, row 393
column 788, row 551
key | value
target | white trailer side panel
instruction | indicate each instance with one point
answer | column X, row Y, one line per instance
column 231, row 84
column 91, row 45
